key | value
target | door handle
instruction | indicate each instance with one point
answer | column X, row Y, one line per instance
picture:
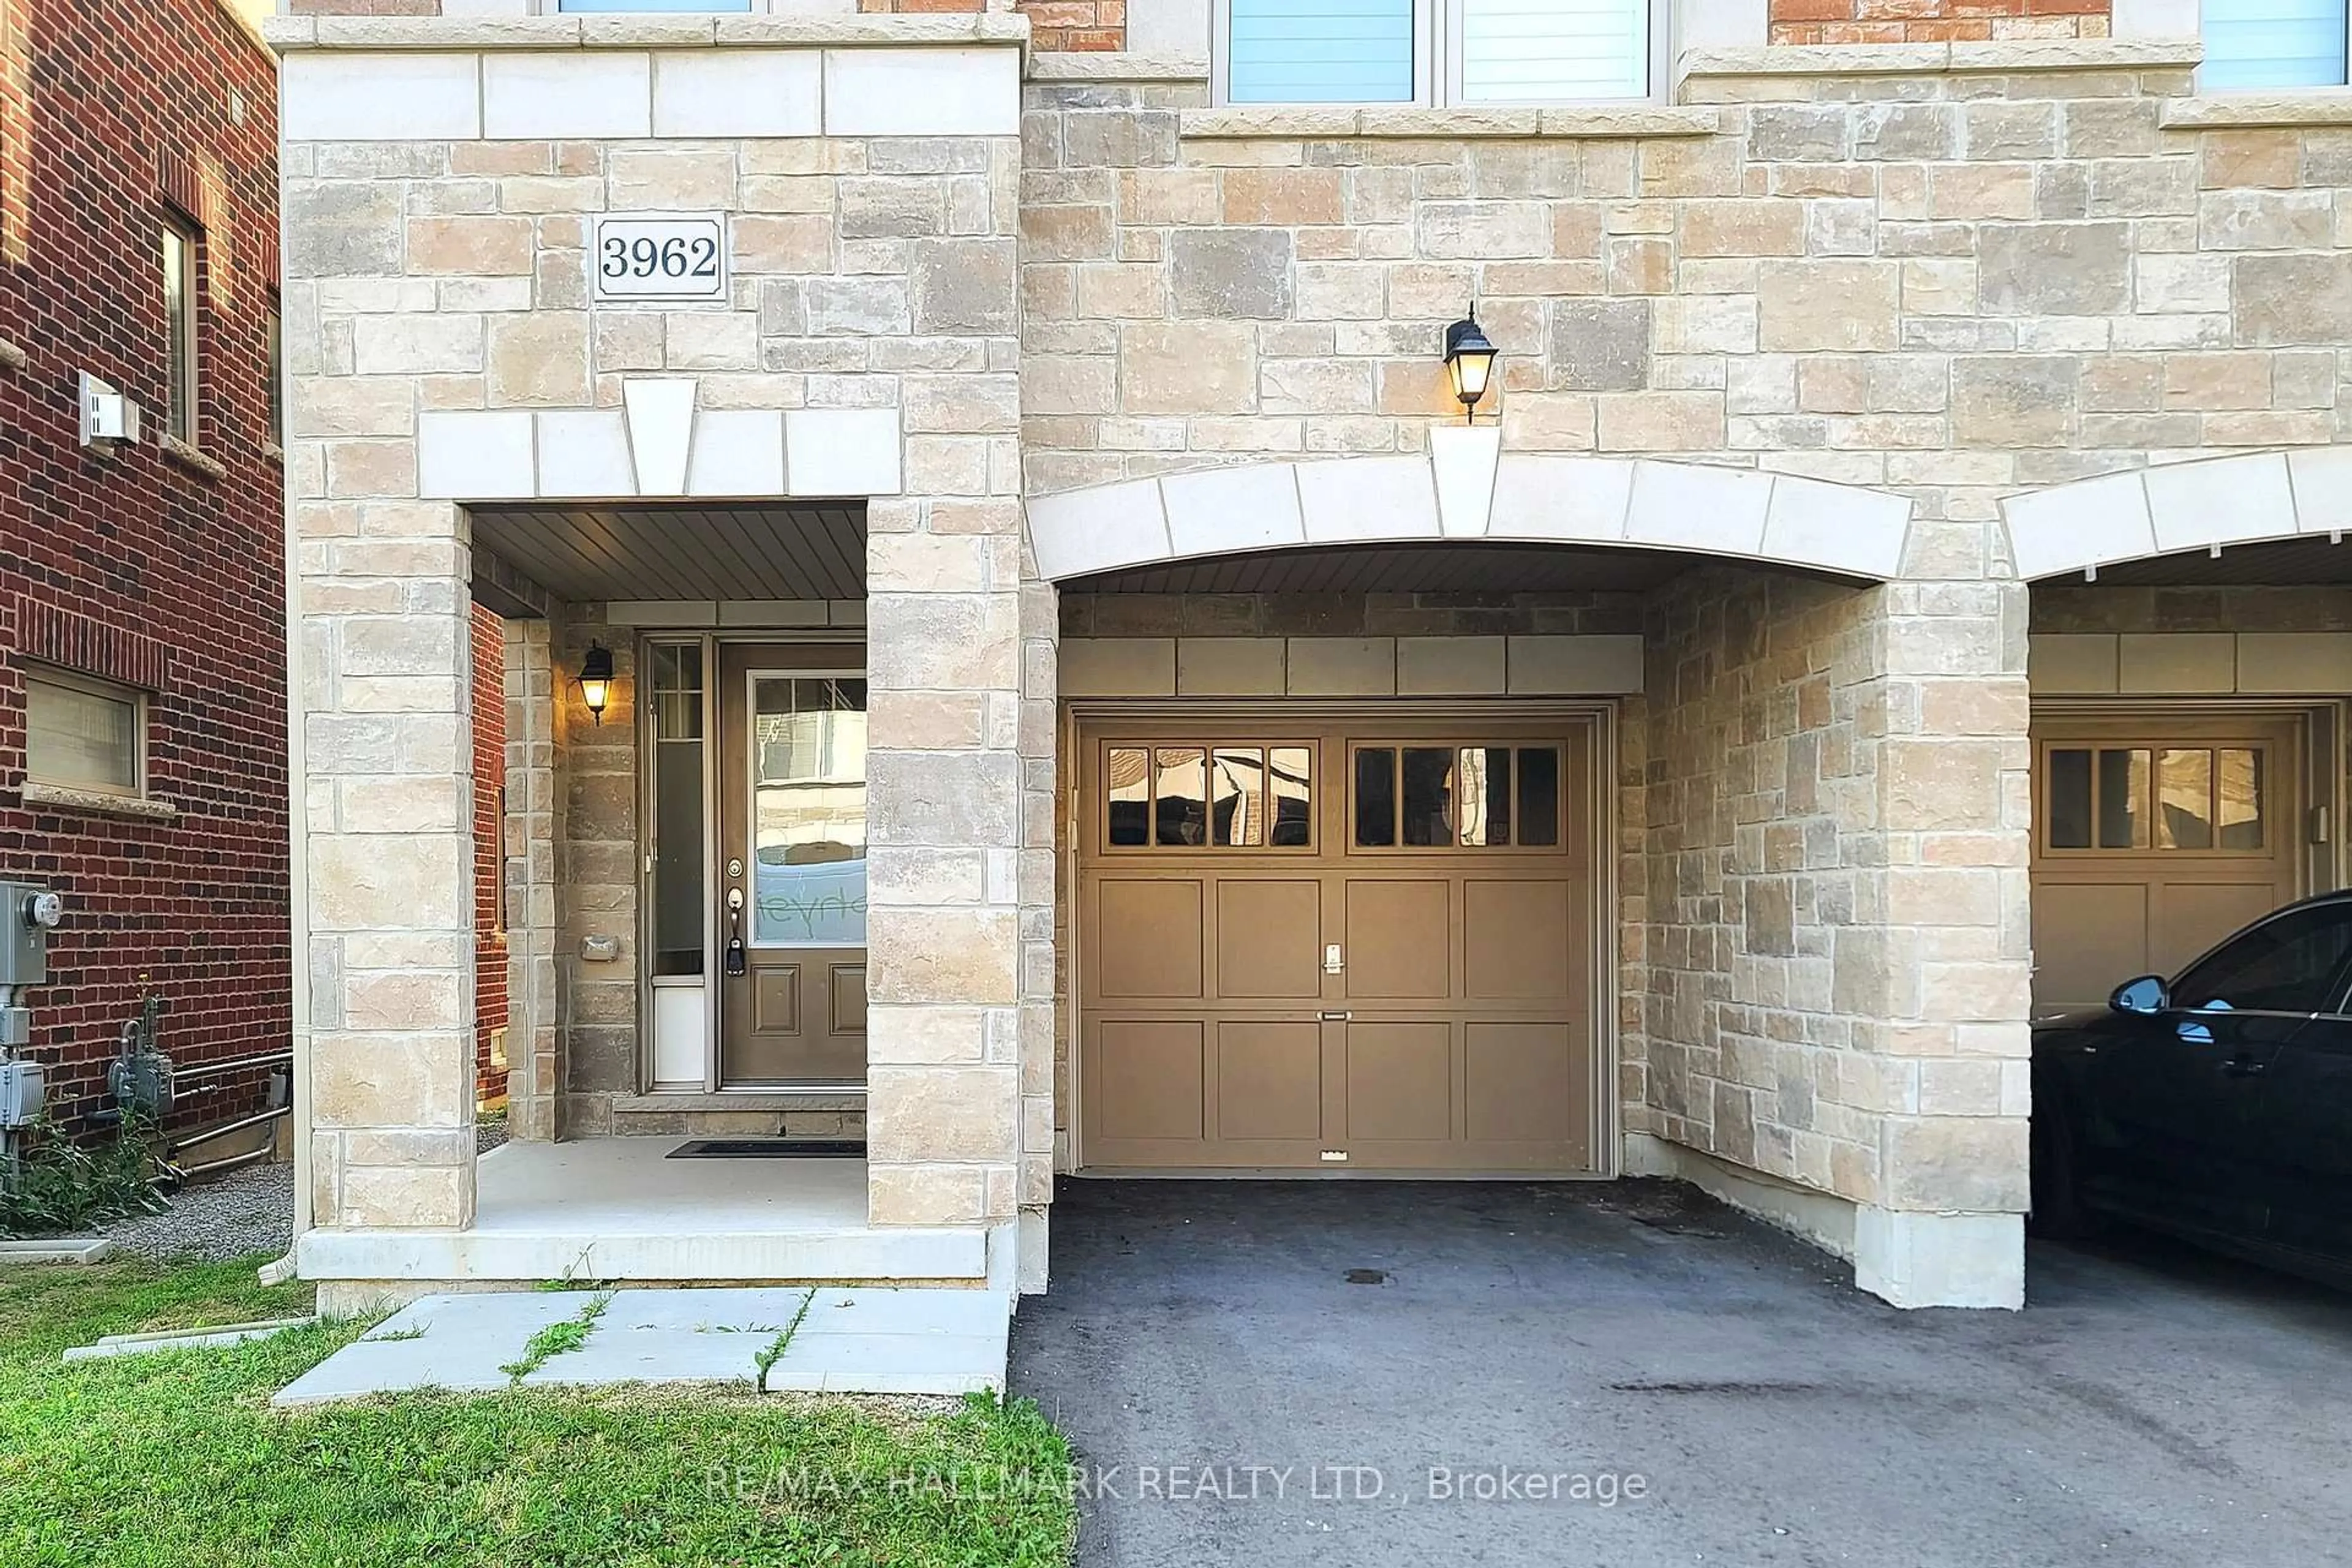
column 1332, row 963
column 2244, row 1066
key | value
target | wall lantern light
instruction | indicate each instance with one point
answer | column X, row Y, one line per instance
column 1469, row 363
column 596, row 680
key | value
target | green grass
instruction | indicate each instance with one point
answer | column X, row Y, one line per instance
column 559, row 1339
column 175, row 1457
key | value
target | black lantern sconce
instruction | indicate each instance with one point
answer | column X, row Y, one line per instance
column 596, row 680
column 1469, row 363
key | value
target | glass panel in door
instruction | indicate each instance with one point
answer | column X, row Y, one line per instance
column 792, row 899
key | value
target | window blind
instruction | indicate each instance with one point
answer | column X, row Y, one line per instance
column 1517, row 51
column 2274, row 43
column 1320, row 51
column 568, row 6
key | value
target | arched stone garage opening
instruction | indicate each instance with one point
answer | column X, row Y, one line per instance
column 1816, row 935
column 2191, row 651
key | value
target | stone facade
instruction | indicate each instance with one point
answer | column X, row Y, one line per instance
column 435, row 295
column 1863, row 337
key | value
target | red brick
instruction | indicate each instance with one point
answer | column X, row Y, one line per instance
column 136, row 568
column 489, row 865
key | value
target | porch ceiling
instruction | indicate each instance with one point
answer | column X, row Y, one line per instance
column 1436, row 567
column 588, row 554
column 2281, row 563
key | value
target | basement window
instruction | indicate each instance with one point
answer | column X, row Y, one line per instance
column 84, row 734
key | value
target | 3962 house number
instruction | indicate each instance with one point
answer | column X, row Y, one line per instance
column 660, row 258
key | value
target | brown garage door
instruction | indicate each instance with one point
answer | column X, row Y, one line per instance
column 2154, row 839
column 1337, row 945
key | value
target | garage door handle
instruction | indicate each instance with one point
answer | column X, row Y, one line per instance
column 1332, row 963
column 2244, row 1067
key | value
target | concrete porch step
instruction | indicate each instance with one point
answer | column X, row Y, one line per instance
column 829, row 1338
column 524, row 1257
column 620, row 1210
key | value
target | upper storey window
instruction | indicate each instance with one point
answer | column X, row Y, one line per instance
column 1434, row 52
column 2274, row 43
column 569, row 6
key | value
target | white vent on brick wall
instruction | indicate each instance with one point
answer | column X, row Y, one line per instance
column 106, row 415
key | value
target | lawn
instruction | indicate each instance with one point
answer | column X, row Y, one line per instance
column 177, row 1458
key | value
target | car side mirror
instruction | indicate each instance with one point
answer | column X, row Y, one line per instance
column 2146, row 996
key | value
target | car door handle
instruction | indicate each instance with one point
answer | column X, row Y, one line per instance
column 2243, row 1066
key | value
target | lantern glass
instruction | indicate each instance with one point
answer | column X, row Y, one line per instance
column 1469, row 363
column 596, row 680
column 1470, row 372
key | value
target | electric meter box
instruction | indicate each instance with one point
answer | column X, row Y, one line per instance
column 29, row 912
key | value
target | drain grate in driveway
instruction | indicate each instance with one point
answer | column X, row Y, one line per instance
column 1365, row 1276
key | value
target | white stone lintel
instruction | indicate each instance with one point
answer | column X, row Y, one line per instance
column 1314, row 124
column 520, row 30
column 2006, row 57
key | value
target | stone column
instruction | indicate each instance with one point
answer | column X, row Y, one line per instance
column 945, row 763
column 1832, row 975
column 1952, row 982
column 384, row 658
column 598, row 873
column 530, row 834
column 388, row 854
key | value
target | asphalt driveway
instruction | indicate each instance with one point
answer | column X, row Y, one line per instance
column 1517, row 1356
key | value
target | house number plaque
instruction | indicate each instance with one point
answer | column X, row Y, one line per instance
column 637, row 257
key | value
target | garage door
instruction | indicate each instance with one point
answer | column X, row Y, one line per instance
column 2154, row 839
column 1335, row 945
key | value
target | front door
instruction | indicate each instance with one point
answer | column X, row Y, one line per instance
column 792, row 864
column 1338, row 945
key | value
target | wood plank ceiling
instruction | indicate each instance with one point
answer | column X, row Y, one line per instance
column 588, row 554
column 2280, row 563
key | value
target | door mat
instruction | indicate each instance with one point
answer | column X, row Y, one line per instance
column 770, row 1149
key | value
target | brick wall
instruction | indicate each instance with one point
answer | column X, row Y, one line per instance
column 140, row 568
column 1075, row 24
column 1934, row 21
column 489, row 870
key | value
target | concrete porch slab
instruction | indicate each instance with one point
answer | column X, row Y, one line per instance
column 835, row 1340
column 618, row 1209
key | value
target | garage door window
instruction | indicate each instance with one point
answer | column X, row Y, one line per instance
column 2136, row 798
column 1207, row 794
column 1449, row 797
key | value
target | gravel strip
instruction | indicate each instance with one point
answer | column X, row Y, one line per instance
column 235, row 1216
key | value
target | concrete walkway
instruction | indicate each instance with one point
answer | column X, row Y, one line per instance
column 1518, row 1354
column 861, row 1340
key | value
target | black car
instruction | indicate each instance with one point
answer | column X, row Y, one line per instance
column 2216, row 1105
